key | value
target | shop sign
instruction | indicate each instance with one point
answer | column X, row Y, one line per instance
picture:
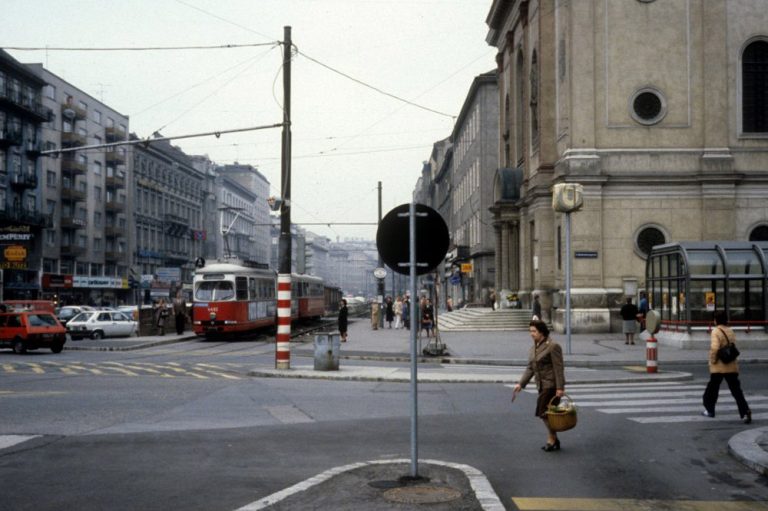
column 98, row 282
column 15, row 253
column 466, row 267
column 55, row 280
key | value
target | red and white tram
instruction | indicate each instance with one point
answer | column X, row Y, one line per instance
column 231, row 298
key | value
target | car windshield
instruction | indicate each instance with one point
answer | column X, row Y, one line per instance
column 82, row 317
column 67, row 313
column 41, row 320
column 214, row 291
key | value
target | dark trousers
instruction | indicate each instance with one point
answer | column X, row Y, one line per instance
column 713, row 389
column 180, row 323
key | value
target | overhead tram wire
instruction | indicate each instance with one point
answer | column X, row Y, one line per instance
column 149, row 141
column 139, row 48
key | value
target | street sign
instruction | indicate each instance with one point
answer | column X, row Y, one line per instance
column 393, row 239
column 466, row 267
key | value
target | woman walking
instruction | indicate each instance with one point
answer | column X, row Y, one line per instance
column 398, row 313
column 545, row 361
column 343, row 319
column 721, row 336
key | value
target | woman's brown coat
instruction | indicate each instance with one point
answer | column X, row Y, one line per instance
column 545, row 362
column 721, row 336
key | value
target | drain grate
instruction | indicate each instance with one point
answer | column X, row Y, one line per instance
column 422, row 494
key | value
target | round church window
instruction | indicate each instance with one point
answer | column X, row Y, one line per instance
column 649, row 237
column 648, row 106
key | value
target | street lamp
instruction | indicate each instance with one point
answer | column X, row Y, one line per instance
column 567, row 198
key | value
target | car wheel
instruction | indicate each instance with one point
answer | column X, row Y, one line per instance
column 57, row 347
column 97, row 334
column 18, row 346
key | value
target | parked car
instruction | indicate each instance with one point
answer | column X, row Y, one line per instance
column 70, row 311
column 30, row 330
column 100, row 324
column 130, row 310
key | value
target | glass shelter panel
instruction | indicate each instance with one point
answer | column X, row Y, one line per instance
column 745, row 301
column 705, row 262
column 743, row 262
column 704, row 297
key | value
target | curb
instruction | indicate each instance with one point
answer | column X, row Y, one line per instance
column 134, row 347
column 744, row 447
column 379, row 374
column 482, row 488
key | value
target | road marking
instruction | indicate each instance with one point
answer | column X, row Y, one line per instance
column 8, row 368
column 573, row 504
column 11, row 440
column 116, row 366
column 288, row 414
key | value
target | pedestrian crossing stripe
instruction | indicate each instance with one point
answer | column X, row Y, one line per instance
column 658, row 402
column 583, row 504
column 110, row 368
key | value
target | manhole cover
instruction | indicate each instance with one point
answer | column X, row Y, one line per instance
column 422, row 494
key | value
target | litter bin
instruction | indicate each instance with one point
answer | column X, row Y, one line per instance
column 327, row 351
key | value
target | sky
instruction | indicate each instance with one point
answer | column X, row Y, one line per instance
column 346, row 136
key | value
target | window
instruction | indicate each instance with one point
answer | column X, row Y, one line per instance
column 648, row 106
column 49, row 91
column 759, row 233
column 754, row 70
column 50, row 179
column 647, row 238
column 96, row 116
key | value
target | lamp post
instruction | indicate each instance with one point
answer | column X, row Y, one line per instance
column 567, row 198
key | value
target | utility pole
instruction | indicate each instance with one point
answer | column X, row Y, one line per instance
column 283, row 338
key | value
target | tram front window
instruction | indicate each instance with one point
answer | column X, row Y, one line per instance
column 215, row 291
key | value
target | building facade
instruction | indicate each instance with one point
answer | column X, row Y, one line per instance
column 22, row 214
column 168, row 200
column 668, row 134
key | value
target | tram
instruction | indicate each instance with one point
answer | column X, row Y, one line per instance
column 232, row 297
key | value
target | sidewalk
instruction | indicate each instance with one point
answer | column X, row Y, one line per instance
column 471, row 357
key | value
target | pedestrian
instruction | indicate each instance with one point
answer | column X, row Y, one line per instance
column 642, row 309
column 721, row 336
column 161, row 313
column 398, row 313
column 180, row 312
column 343, row 322
column 449, row 304
column 428, row 317
column 545, row 362
column 492, row 298
column 628, row 314
column 389, row 311
column 536, row 309
column 375, row 315
column 407, row 313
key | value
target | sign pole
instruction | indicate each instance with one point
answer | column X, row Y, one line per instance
column 414, row 323
column 568, row 279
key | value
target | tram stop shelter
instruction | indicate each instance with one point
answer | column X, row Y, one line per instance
column 688, row 281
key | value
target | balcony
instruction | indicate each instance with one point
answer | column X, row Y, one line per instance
column 25, row 216
column 33, row 147
column 73, row 113
column 23, row 180
column 23, row 104
column 112, row 255
column 72, row 250
column 113, row 231
column 115, row 181
column 71, row 222
column 9, row 137
column 116, row 206
column 115, row 158
column 114, row 134
column 72, row 194
column 73, row 167
column 72, row 139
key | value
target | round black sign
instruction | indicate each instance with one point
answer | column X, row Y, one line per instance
column 393, row 239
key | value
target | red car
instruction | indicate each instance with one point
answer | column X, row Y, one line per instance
column 30, row 330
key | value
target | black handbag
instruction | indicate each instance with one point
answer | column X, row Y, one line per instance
column 727, row 353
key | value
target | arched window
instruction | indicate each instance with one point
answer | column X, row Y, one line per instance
column 519, row 108
column 754, row 69
column 534, row 77
column 759, row 233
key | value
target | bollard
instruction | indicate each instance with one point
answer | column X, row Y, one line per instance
column 327, row 351
column 651, row 355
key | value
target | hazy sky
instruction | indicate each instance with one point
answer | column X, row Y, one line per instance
column 346, row 137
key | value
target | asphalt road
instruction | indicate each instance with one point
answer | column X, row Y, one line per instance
column 182, row 427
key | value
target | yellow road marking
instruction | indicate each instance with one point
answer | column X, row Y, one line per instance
column 8, row 368
column 36, row 368
column 186, row 372
column 90, row 369
column 115, row 366
column 205, row 367
column 572, row 504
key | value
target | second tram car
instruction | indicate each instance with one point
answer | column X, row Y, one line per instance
column 231, row 298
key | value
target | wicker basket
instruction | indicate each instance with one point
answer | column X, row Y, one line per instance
column 563, row 416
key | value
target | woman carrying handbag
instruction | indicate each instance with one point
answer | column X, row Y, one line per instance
column 722, row 336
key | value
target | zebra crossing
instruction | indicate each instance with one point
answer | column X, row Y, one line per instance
column 662, row 402
column 200, row 371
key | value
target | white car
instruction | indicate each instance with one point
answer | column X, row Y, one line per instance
column 100, row 324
